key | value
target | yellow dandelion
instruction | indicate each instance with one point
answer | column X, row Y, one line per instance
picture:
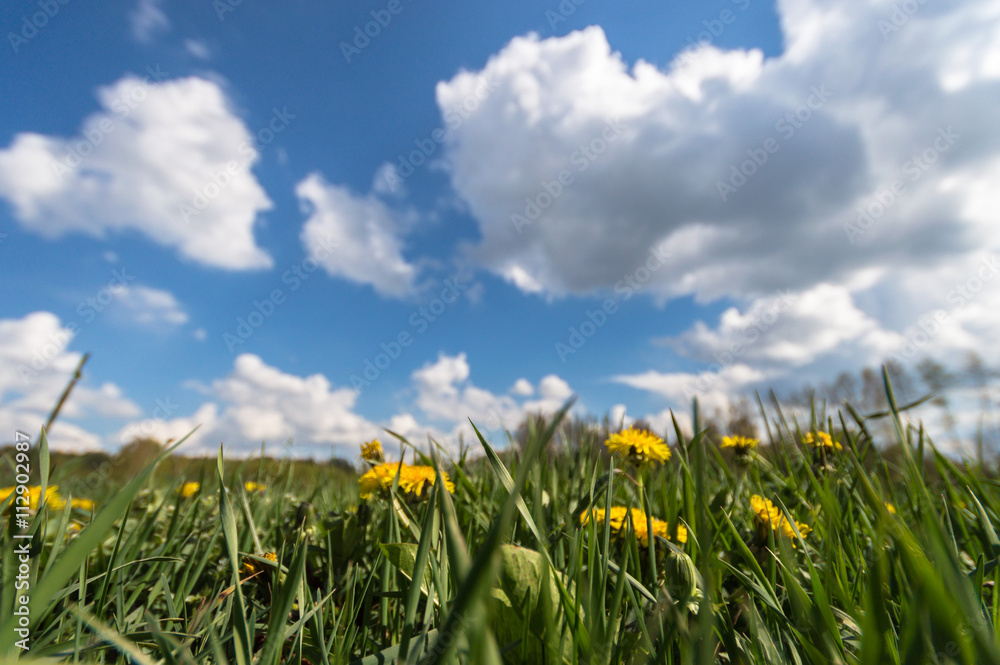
column 619, row 516
column 821, row 440
column 741, row 444
column 891, row 508
column 372, row 451
column 251, row 486
column 81, row 504
column 638, row 446
column 378, row 478
column 52, row 498
column 413, row 479
column 251, row 566
column 768, row 516
column 188, row 490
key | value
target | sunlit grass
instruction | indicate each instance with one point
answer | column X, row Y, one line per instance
column 809, row 547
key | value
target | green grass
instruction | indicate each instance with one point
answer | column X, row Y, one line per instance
column 503, row 571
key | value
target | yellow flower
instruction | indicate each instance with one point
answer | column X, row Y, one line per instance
column 618, row 518
column 52, row 498
column 741, row 444
column 251, row 566
column 251, row 486
column 378, row 478
column 372, row 451
column 768, row 516
column 189, row 489
column 82, row 504
column 891, row 508
column 820, row 440
column 413, row 479
column 638, row 446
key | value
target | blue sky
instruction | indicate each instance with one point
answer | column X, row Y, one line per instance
column 635, row 204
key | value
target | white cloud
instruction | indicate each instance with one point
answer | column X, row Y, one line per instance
column 446, row 395
column 148, row 20
column 259, row 403
column 522, row 387
column 35, row 367
column 867, row 188
column 365, row 232
column 644, row 151
column 788, row 330
column 150, row 161
column 197, row 48
column 151, row 307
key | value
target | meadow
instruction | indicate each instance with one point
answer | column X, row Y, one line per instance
column 826, row 542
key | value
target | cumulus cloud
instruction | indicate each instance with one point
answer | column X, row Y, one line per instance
column 446, row 395
column 259, row 403
column 850, row 172
column 366, row 234
column 149, row 161
column 148, row 20
column 147, row 306
column 35, row 367
column 604, row 161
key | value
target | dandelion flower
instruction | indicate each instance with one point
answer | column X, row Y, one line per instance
column 52, row 498
column 891, row 508
column 81, row 504
column 251, row 486
column 251, row 566
column 768, row 516
column 372, row 451
column 618, row 519
column 378, row 478
column 638, row 446
column 741, row 444
column 188, row 490
column 821, row 440
column 413, row 479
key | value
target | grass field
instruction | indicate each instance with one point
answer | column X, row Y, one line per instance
column 551, row 551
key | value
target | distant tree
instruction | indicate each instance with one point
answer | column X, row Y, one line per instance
column 938, row 380
column 844, row 389
column 903, row 384
column 135, row 456
column 979, row 377
column 741, row 421
column 872, row 391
